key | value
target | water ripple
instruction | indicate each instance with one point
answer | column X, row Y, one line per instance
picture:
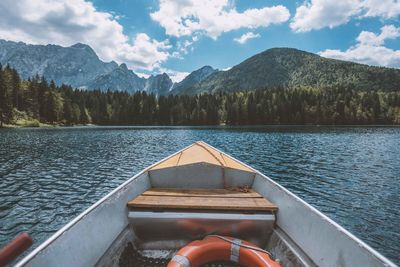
column 49, row 176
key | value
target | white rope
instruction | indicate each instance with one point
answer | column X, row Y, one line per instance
column 235, row 250
column 182, row 260
column 242, row 245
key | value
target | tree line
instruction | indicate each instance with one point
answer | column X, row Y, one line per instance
column 43, row 101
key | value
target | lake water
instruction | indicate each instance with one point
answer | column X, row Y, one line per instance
column 49, row 176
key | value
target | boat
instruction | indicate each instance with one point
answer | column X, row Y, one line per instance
column 199, row 196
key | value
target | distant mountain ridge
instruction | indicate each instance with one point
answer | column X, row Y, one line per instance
column 119, row 79
column 291, row 67
column 193, row 78
column 74, row 65
column 79, row 66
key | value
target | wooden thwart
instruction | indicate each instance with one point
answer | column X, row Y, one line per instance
column 201, row 199
column 200, row 193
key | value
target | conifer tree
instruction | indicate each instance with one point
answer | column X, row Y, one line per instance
column 5, row 100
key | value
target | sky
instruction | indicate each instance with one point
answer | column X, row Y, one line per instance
column 180, row 36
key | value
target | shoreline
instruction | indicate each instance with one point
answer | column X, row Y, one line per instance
column 49, row 126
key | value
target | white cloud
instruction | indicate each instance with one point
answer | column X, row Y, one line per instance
column 213, row 17
column 183, row 47
column 142, row 75
column 145, row 53
column 176, row 76
column 318, row 14
column 65, row 22
column 370, row 50
column 370, row 38
column 245, row 37
column 387, row 9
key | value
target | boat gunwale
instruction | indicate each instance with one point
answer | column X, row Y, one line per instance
column 340, row 228
column 79, row 217
column 322, row 215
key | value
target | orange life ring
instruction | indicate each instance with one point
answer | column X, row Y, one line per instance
column 221, row 248
column 15, row 248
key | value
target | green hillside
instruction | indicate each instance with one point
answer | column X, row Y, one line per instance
column 288, row 67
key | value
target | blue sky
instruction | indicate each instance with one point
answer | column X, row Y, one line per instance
column 177, row 37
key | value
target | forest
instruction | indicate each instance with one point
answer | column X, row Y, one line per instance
column 36, row 101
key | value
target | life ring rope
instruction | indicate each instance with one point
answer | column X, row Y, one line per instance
column 235, row 250
column 242, row 245
column 182, row 260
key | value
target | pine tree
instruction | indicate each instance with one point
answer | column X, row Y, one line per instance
column 67, row 112
column 32, row 99
column 16, row 89
column 5, row 101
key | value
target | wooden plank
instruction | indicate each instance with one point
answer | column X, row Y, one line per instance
column 178, row 192
column 208, row 203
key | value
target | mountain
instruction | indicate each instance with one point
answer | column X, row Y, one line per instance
column 79, row 66
column 119, row 79
column 192, row 79
column 123, row 79
column 76, row 65
column 159, row 84
column 291, row 67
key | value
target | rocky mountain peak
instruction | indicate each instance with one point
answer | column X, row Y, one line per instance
column 123, row 66
column 159, row 84
column 193, row 78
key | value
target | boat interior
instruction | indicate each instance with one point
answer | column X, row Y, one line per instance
column 171, row 214
column 194, row 193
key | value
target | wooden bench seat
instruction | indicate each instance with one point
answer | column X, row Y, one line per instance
column 201, row 199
